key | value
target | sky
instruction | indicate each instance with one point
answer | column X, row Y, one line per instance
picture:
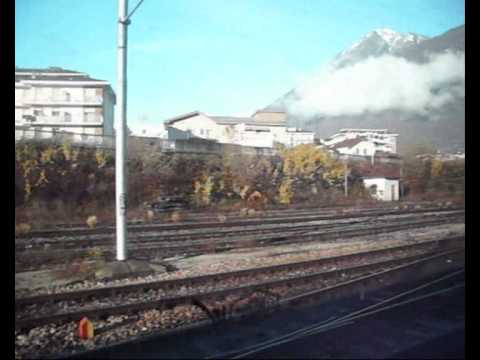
column 216, row 56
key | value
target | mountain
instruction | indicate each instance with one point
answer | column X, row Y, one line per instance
column 439, row 120
column 376, row 43
column 451, row 41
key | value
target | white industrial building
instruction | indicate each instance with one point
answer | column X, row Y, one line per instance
column 263, row 129
column 383, row 188
column 52, row 100
column 150, row 131
column 362, row 142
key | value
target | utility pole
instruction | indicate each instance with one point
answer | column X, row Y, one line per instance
column 120, row 134
column 345, row 170
column 401, row 180
column 121, row 129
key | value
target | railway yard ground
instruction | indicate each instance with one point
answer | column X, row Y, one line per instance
column 214, row 271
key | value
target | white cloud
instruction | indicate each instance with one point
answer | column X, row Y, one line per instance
column 381, row 83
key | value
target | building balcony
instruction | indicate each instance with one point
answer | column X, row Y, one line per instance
column 94, row 100
column 64, row 120
column 20, row 103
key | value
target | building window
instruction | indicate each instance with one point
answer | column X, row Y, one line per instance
column 364, row 151
column 68, row 117
column 89, row 117
column 55, row 113
column 57, row 94
column 18, row 94
column 89, row 94
column 67, row 96
column 38, row 112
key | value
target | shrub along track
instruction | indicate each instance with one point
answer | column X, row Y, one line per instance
column 280, row 235
column 101, row 302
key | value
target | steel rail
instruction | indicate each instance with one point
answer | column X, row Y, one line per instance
column 156, row 249
column 25, row 245
column 177, row 283
column 194, row 216
column 218, row 294
column 203, row 225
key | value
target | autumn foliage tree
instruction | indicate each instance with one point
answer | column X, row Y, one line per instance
column 426, row 175
column 308, row 170
column 82, row 180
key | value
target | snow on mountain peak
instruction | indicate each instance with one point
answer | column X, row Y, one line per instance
column 394, row 38
column 387, row 34
column 376, row 43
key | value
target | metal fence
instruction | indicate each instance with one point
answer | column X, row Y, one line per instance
column 61, row 137
column 194, row 146
column 197, row 146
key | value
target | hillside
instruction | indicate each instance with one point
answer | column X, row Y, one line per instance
column 405, row 82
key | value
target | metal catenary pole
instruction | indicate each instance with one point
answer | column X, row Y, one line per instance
column 120, row 138
column 345, row 169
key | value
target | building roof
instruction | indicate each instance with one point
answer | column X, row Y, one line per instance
column 382, row 177
column 227, row 120
column 270, row 110
column 52, row 74
column 299, row 130
column 379, row 170
column 182, row 117
column 73, row 78
column 387, row 154
column 364, row 130
column 230, row 120
column 349, row 143
column 51, row 69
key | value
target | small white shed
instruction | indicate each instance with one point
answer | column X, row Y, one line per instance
column 383, row 188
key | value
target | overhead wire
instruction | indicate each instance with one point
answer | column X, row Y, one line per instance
column 332, row 323
column 343, row 322
column 346, row 320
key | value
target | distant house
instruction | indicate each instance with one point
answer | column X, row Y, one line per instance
column 263, row 129
column 150, row 131
column 382, row 179
column 362, row 142
column 442, row 156
column 58, row 100
column 383, row 188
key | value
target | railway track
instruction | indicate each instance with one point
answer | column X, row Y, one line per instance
column 184, row 235
column 229, row 223
column 71, row 306
column 387, row 301
column 203, row 216
column 32, row 260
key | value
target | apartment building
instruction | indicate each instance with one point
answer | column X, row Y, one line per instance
column 363, row 142
column 259, row 130
column 54, row 100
